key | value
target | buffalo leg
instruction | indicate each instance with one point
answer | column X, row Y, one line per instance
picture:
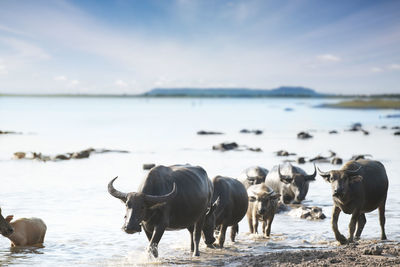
column 191, row 238
column 198, row 227
column 382, row 218
column 255, row 224
column 268, row 229
column 234, row 231
column 155, row 239
column 250, row 220
column 221, row 237
column 335, row 216
column 360, row 225
column 352, row 224
column 148, row 234
column 264, row 226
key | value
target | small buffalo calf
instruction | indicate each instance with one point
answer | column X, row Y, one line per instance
column 24, row 231
column 263, row 204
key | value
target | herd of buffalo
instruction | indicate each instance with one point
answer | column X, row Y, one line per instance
column 183, row 197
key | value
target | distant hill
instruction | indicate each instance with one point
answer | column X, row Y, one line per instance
column 233, row 92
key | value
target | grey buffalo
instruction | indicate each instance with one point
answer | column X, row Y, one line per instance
column 292, row 185
column 231, row 202
column 358, row 187
column 263, row 204
column 170, row 198
column 253, row 175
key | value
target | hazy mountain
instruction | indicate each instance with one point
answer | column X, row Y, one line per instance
column 233, row 92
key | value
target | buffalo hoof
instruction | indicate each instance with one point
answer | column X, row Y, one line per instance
column 153, row 250
column 342, row 240
column 196, row 254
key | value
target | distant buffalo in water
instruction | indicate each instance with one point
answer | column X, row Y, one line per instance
column 357, row 188
column 292, row 185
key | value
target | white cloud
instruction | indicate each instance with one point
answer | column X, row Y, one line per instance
column 120, row 83
column 74, row 83
column 394, row 67
column 329, row 58
column 3, row 69
column 60, row 78
column 24, row 49
column 376, row 69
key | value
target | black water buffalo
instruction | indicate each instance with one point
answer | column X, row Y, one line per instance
column 263, row 204
column 231, row 200
column 253, row 175
column 293, row 185
column 358, row 187
column 169, row 198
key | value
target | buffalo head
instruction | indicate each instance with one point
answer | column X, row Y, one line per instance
column 5, row 227
column 209, row 224
column 138, row 205
column 265, row 201
column 341, row 180
column 298, row 183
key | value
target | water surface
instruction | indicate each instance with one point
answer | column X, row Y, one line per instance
column 84, row 221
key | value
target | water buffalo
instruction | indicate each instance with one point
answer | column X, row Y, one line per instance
column 253, row 175
column 263, row 204
column 24, row 231
column 169, row 198
column 358, row 187
column 293, row 185
column 231, row 200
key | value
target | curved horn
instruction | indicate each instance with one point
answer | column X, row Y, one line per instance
column 324, row 174
column 158, row 199
column 283, row 178
column 312, row 176
column 116, row 193
column 353, row 171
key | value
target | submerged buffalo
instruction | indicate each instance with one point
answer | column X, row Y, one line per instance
column 263, row 204
column 292, row 185
column 231, row 202
column 253, row 175
column 358, row 187
column 169, row 198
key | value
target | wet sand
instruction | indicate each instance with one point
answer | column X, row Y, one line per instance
column 360, row 253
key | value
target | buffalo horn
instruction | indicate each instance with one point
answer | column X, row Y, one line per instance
column 324, row 174
column 283, row 177
column 158, row 199
column 312, row 176
column 116, row 193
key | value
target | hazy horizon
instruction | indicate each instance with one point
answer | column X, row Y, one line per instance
column 130, row 47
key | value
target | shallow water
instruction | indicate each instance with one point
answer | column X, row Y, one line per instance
column 84, row 221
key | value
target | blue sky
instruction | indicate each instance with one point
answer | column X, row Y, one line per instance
column 123, row 46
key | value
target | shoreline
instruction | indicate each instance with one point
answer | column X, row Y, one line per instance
column 362, row 252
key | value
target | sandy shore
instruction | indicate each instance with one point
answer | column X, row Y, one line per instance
column 361, row 253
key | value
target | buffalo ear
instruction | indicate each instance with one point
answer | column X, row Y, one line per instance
column 287, row 180
column 9, row 218
column 252, row 198
column 355, row 178
column 276, row 196
column 158, row 206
